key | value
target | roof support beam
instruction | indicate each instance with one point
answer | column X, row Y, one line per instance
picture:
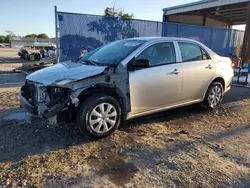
column 204, row 20
column 232, row 9
column 233, row 15
column 238, row 23
column 233, row 12
column 222, row 19
column 243, row 18
column 246, row 43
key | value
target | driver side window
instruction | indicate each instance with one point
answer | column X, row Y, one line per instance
column 159, row 54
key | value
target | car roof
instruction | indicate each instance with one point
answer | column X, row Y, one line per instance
column 162, row 38
column 170, row 39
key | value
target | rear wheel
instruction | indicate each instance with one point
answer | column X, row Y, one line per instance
column 99, row 116
column 214, row 95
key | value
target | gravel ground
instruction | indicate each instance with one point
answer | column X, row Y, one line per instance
column 9, row 60
column 7, row 53
column 186, row 147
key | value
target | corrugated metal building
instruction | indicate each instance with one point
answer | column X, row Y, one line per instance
column 215, row 13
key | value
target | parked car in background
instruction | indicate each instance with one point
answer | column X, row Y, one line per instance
column 36, row 52
column 127, row 79
column 23, row 52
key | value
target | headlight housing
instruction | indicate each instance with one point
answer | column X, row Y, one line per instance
column 56, row 90
column 56, row 93
column 41, row 93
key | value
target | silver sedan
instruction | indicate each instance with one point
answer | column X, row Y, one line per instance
column 127, row 79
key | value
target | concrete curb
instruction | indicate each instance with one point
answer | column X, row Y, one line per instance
column 9, row 72
column 239, row 85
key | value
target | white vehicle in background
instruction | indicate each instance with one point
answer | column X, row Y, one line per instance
column 127, row 79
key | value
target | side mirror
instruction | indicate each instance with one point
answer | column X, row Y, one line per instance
column 138, row 64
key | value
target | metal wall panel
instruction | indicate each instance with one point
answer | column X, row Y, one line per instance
column 186, row 19
column 81, row 31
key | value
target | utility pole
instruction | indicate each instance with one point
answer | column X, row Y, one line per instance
column 57, row 39
column 114, row 5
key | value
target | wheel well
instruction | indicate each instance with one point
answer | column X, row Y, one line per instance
column 220, row 80
column 102, row 90
column 114, row 92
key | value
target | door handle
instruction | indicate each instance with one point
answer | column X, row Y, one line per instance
column 176, row 72
column 209, row 67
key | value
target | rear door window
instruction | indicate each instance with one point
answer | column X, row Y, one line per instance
column 192, row 52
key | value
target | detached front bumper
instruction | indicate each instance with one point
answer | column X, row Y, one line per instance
column 41, row 110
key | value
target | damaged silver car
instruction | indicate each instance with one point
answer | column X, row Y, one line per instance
column 127, row 79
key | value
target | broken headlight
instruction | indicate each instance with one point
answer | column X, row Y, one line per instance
column 56, row 92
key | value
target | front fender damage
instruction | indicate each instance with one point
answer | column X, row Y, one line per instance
column 108, row 79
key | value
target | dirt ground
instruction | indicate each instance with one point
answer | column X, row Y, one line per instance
column 186, row 147
column 9, row 59
column 8, row 53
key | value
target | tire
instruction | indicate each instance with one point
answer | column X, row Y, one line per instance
column 94, row 121
column 214, row 93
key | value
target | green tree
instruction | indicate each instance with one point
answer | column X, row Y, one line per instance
column 117, row 13
column 109, row 12
column 2, row 38
column 6, row 39
column 31, row 35
column 43, row 35
column 112, row 27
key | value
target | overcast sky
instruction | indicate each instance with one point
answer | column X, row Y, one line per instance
column 33, row 16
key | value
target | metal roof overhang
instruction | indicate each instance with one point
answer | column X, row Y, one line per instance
column 233, row 12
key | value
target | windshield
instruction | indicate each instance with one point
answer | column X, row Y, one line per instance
column 113, row 53
column 87, row 56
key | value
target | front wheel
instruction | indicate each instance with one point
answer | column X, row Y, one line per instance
column 99, row 116
column 213, row 96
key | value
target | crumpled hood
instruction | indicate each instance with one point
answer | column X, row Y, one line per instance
column 65, row 70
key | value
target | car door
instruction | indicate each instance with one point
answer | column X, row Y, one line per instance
column 159, row 85
column 197, row 70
